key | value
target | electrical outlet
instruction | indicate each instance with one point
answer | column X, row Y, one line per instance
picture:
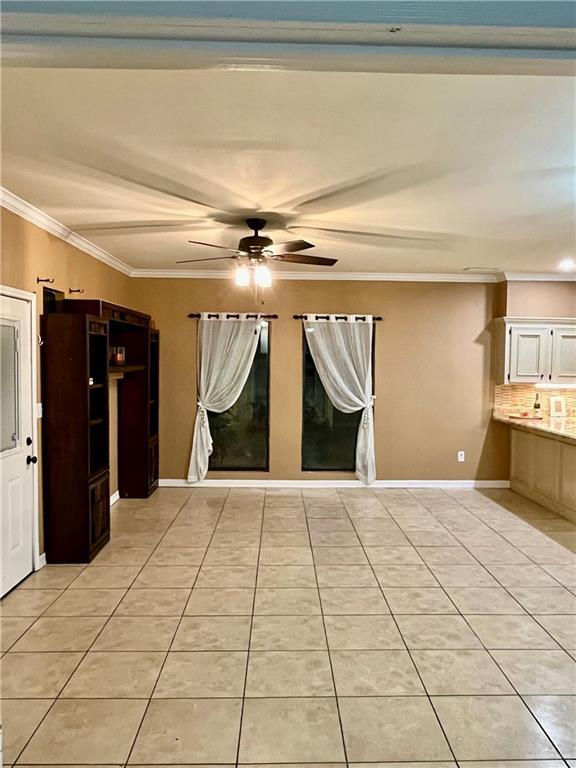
column 461, row 456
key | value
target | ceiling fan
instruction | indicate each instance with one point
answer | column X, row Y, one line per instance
column 255, row 250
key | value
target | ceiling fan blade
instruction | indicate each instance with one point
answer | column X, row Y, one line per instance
column 212, row 258
column 302, row 258
column 211, row 245
column 364, row 188
column 294, row 245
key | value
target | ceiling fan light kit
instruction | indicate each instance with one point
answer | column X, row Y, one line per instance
column 242, row 277
column 263, row 276
column 254, row 251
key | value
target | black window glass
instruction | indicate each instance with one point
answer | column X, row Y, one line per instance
column 240, row 434
column 328, row 435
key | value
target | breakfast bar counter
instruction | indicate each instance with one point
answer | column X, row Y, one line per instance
column 564, row 429
column 543, row 461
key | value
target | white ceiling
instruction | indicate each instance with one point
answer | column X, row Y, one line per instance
column 476, row 170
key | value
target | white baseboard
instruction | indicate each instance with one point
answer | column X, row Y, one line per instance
column 39, row 561
column 178, row 483
column 114, row 498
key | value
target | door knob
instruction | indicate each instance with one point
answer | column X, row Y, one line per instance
column 31, row 459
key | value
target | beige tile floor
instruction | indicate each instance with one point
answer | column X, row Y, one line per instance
column 329, row 627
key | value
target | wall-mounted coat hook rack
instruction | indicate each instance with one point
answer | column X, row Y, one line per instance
column 75, row 290
column 45, row 280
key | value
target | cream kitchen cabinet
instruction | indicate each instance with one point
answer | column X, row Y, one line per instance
column 543, row 468
column 534, row 350
column 529, row 353
column 564, row 354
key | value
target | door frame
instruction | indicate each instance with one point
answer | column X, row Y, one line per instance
column 38, row 560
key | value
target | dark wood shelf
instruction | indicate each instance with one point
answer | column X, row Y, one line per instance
column 137, row 384
column 76, row 491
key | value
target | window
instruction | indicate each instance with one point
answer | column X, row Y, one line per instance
column 9, row 422
column 240, row 434
column 328, row 435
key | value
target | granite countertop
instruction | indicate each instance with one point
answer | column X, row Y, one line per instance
column 563, row 428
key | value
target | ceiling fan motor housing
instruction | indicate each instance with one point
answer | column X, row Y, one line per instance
column 254, row 250
column 254, row 244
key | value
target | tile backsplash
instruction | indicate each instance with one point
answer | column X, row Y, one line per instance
column 520, row 397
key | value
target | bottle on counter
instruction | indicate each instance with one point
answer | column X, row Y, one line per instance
column 537, row 407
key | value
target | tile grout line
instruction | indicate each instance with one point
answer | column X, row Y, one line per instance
column 507, row 590
column 84, row 654
column 491, row 655
column 460, row 507
column 526, row 613
column 400, row 632
column 336, row 697
column 237, row 761
column 149, row 701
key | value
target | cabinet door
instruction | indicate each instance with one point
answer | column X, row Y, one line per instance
column 152, row 463
column 99, row 508
column 546, row 459
column 564, row 354
column 522, row 460
column 529, row 354
column 567, row 479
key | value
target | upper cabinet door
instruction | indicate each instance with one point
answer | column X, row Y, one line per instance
column 529, row 354
column 564, row 354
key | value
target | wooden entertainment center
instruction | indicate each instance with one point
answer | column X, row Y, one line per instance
column 76, row 363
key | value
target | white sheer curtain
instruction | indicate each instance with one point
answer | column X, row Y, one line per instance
column 226, row 349
column 342, row 354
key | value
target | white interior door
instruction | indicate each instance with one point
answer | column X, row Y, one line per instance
column 16, row 446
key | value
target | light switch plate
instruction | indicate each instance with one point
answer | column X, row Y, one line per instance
column 461, row 456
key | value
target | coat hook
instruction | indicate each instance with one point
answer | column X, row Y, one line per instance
column 44, row 279
column 75, row 290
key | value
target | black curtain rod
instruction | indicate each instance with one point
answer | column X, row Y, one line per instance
column 228, row 315
column 337, row 317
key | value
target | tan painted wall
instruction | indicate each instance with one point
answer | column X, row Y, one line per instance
column 28, row 252
column 541, row 299
column 433, row 388
column 433, row 391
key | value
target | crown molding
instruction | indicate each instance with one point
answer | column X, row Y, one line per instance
column 381, row 277
column 540, row 277
column 27, row 211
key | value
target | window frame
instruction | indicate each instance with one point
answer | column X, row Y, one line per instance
column 268, row 432
column 303, row 354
